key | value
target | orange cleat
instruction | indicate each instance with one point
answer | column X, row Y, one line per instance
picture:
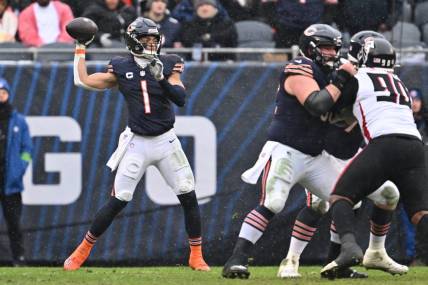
column 78, row 257
column 196, row 260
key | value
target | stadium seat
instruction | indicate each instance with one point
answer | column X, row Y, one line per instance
column 425, row 33
column 407, row 12
column 254, row 34
column 56, row 56
column 421, row 14
column 7, row 46
column 405, row 35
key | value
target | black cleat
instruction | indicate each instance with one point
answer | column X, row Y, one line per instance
column 344, row 273
column 350, row 255
column 236, row 267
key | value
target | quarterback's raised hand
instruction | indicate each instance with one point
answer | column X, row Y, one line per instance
column 156, row 68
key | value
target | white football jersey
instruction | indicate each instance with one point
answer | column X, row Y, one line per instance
column 382, row 105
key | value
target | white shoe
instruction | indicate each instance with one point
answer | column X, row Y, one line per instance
column 379, row 259
column 289, row 268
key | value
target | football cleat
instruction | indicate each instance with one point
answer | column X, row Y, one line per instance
column 289, row 268
column 236, row 267
column 198, row 263
column 345, row 273
column 350, row 255
column 77, row 258
column 379, row 259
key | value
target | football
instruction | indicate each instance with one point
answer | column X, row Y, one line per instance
column 82, row 29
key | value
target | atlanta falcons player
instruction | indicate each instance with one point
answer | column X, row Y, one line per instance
column 394, row 150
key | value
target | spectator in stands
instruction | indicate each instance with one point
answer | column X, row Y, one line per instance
column 293, row 17
column 379, row 15
column 209, row 28
column 419, row 112
column 184, row 11
column 15, row 155
column 78, row 6
column 168, row 26
column 112, row 18
column 43, row 22
column 8, row 22
column 256, row 10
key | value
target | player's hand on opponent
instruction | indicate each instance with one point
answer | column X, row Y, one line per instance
column 156, row 68
column 348, row 67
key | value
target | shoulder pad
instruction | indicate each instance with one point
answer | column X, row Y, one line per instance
column 172, row 63
column 299, row 66
column 116, row 64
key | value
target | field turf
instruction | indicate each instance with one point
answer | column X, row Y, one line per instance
column 184, row 275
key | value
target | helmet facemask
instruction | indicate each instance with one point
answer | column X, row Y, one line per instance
column 137, row 38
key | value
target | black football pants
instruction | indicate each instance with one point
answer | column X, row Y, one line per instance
column 397, row 158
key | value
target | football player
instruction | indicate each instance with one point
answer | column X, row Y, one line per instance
column 294, row 152
column 150, row 84
column 343, row 140
column 394, row 149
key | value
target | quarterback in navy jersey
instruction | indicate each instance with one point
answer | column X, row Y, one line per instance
column 151, row 84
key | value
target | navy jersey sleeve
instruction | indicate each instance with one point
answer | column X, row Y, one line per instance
column 115, row 65
column 172, row 63
column 299, row 66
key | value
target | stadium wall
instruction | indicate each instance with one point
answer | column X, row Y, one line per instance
column 222, row 129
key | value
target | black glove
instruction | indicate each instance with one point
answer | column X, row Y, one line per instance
column 341, row 78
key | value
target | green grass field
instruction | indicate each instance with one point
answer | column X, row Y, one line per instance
column 183, row 275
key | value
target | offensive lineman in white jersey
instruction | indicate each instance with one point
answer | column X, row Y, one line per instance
column 394, row 151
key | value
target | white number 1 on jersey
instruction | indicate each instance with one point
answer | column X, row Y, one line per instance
column 146, row 98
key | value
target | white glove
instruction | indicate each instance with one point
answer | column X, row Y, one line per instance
column 156, row 69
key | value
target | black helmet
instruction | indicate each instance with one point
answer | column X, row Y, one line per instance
column 357, row 42
column 318, row 35
column 377, row 52
column 142, row 27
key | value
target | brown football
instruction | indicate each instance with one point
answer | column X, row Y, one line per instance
column 82, row 29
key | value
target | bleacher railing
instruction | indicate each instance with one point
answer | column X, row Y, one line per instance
column 202, row 54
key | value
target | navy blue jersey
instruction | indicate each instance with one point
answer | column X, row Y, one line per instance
column 292, row 124
column 150, row 112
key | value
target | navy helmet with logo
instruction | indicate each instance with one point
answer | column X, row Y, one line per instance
column 142, row 27
column 316, row 36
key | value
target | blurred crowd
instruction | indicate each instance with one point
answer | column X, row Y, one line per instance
column 213, row 23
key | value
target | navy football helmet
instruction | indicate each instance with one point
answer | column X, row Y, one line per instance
column 316, row 36
column 140, row 28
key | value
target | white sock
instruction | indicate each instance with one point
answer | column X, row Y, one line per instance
column 250, row 233
column 378, row 235
column 296, row 248
column 377, row 242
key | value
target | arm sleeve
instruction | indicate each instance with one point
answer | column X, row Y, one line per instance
column 175, row 93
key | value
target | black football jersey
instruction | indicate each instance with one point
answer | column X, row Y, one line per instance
column 150, row 113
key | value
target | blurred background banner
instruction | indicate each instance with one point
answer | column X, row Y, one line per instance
column 222, row 129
